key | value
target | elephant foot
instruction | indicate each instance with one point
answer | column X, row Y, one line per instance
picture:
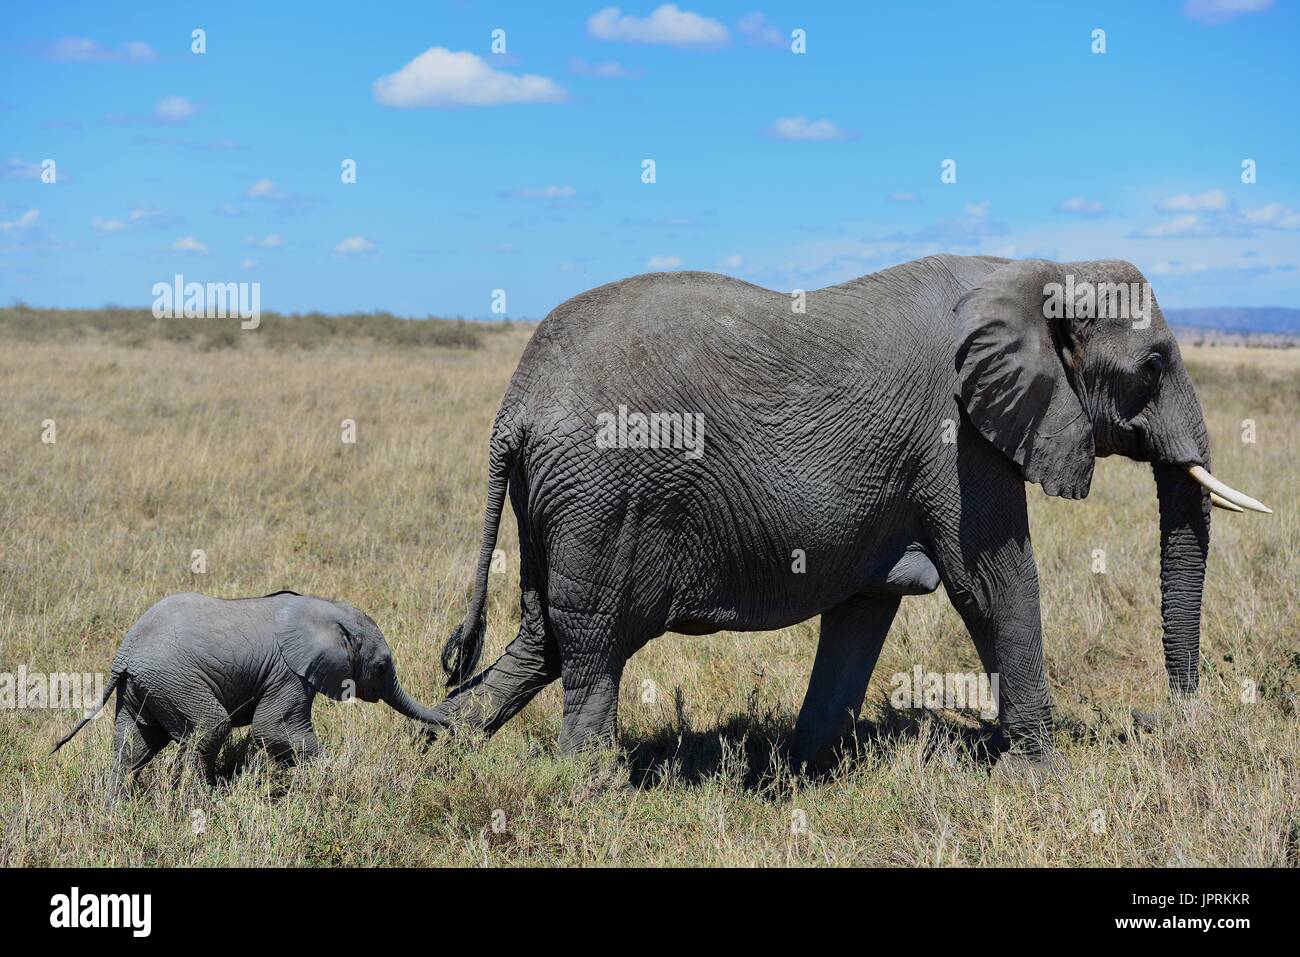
column 1037, row 766
column 822, row 764
column 611, row 777
column 1147, row 720
column 425, row 734
column 1180, row 708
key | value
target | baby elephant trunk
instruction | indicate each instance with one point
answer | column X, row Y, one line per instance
column 395, row 697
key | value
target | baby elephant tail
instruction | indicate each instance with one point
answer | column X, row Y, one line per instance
column 112, row 683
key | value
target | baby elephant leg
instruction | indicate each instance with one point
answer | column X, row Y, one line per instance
column 136, row 739
column 207, row 740
column 282, row 725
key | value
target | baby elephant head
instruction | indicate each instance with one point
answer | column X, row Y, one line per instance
column 339, row 651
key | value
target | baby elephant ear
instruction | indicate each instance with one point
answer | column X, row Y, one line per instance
column 314, row 645
column 1013, row 380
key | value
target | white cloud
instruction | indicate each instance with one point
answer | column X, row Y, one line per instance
column 1213, row 12
column 1080, row 206
column 265, row 190
column 269, row 241
column 1190, row 225
column 971, row 228
column 663, row 262
column 215, row 146
column 248, row 264
column 228, row 209
column 82, row 50
column 756, row 30
column 25, row 221
column 140, row 217
column 262, row 189
column 1211, row 201
column 734, row 261
column 544, row 192
column 667, row 24
column 137, row 51
column 151, row 216
column 903, row 198
column 1213, row 213
column 188, row 244
column 1175, row 268
column 354, row 245
column 173, row 109
column 1272, row 216
column 441, row 79
column 15, row 168
column 608, row 70
column 799, row 129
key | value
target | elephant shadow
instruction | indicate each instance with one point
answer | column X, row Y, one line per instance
column 753, row 745
column 242, row 754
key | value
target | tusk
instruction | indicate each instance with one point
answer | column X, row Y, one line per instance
column 1206, row 480
column 1218, row 501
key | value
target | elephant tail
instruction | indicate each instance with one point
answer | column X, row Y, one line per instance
column 463, row 649
column 112, row 683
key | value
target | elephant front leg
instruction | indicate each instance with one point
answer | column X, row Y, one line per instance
column 852, row 634
column 282, row 725
column 1004, row 621
column 978, row 524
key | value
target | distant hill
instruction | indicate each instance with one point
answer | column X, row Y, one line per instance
column 1243, row 321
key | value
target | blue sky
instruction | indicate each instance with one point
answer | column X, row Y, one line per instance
column 522, row 171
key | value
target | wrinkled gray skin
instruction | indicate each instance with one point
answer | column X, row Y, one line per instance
column 824, row 433
column 193, row 667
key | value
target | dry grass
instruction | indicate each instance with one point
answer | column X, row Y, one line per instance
column 163, row 448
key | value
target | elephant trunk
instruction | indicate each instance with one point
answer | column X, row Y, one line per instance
column 1184, row 541
column 395, row 697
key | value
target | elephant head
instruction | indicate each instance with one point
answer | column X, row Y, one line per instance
column 1058, row 363
column 337, row 649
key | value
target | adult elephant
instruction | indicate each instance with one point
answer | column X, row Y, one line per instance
column 867, row 446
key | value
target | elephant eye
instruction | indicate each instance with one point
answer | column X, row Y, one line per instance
column 1154, row 365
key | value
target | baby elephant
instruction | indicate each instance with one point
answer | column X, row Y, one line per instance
column 194, row 667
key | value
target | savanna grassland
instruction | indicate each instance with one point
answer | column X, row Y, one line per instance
column 180, row 437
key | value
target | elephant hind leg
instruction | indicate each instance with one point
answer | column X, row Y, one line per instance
column 591, row 670
column 137, row 738
column 530, row 662
column 206, row 741
column 852, row 634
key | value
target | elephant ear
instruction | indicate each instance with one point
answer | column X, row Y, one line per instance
column 315, row 645
column 1014, row 372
